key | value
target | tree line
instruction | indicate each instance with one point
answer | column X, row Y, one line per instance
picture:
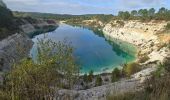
column 145, row 14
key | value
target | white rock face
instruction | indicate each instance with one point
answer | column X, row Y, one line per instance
column 141, row 34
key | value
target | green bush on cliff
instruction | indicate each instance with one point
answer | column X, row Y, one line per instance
column 90, row 76
column 98, row 81
column 143, row 59
column 116, row 75
column 131, row 68
column 168, row 26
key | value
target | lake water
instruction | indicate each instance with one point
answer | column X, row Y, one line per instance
column 93, row 50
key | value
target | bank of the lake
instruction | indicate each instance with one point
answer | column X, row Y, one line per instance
column 92, row 50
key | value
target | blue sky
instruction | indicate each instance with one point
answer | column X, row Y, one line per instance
column 83, row 6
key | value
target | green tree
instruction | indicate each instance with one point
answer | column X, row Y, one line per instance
column 134, row 13
column 151, row 12
column 163, row 14
column 162, row 10
column 143, row 13
column 124, row 15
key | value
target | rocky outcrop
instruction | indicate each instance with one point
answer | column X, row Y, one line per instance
column 33, row 27
column 101, row 92
column 145, row 36
column 141, row 34
column 12, row 49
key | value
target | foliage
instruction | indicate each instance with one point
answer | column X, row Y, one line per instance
column 134, row 13
column 90, row 76
column 116, row 75
column 98, row 81
column 131, row 68
column 143, row 59
column 168, row 26
column 85, row 78
column 121, row 23
column 146, row 14
column 40, row 79
column 104, row 18
column 124, row 15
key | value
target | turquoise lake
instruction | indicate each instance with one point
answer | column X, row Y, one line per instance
column 93, row 50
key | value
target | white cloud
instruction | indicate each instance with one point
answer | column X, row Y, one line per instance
column 82, row 6
column 26, row 2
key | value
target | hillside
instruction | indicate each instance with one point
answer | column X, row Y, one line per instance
column 7, row 22
column 2, row 4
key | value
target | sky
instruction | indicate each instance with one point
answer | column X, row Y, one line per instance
column 78, row 7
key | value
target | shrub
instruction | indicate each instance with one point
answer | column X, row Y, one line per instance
column 143, row 59
column 132, row 68
column 121, row 23
column 98, row 81
column 168, row 26
column 85, row 78
column 116, row 74
column 90, row 76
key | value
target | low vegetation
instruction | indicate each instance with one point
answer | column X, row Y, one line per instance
column 98, row 80
column 155, row 88
column 53, row 69
column 116, row 75
column 143, row 59
column 131, row 68
column 168, row 26
column 90, row 76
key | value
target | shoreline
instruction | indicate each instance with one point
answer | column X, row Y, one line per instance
column 143, row 35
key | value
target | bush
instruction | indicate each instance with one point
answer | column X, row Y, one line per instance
column 132, row 68
column 121, row 23
column 98, row 81
column 90, row 76
column 168, row 26
column 116, row 74
column 143, row 59
column 85, row 78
